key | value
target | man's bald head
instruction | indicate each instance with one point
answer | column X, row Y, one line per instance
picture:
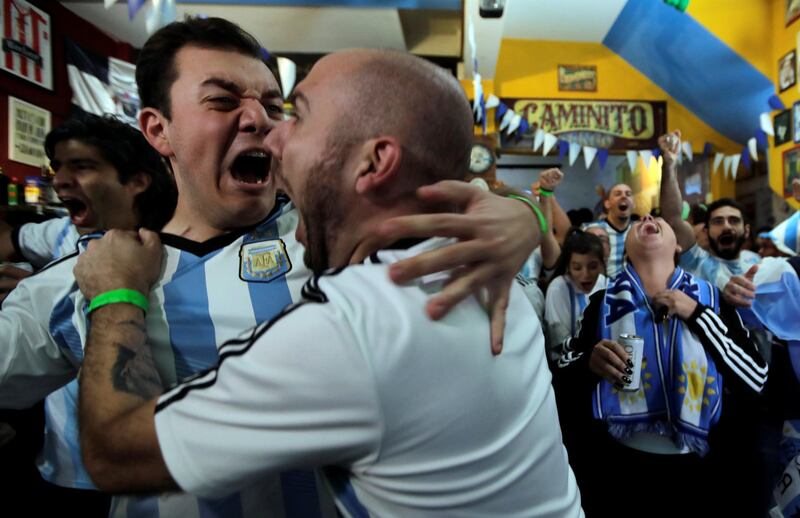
column 395, row 93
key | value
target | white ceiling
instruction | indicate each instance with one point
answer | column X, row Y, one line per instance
column 325, row 29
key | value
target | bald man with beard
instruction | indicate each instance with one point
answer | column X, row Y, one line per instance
column 409, row 417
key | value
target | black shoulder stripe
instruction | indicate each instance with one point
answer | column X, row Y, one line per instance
column 203, row 380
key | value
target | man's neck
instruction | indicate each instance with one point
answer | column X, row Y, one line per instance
column 618, row 222
column 654, row 272
column 186, row 224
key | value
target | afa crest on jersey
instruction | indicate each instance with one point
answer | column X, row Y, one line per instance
column 263, row 261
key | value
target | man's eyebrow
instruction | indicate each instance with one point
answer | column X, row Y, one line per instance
column 222, row 83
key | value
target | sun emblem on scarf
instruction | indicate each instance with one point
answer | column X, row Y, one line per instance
column 695, row 381
column 638, row 395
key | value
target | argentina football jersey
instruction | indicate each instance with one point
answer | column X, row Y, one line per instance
column 616, row 243
column 208, row 293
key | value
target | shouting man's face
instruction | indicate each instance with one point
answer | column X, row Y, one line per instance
column 727, row 232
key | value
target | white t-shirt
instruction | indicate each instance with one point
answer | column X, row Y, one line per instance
column 564, row 305
column 40, row 243
column 410, row 417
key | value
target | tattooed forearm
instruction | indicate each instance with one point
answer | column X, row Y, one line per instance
column 133, row 372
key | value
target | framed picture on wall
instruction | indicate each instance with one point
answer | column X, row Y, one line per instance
column 791, row 169
column 783, row 127
column 27, row 127
column 26, row 50
column 792, row 11
column 787, row 71
column 577, row 78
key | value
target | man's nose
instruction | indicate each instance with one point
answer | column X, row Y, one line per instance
column 276, row 139
column 254, row 118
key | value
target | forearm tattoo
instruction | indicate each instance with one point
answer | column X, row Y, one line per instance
column 134, row 370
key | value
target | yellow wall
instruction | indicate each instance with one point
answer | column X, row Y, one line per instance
column 784, row 39
column 529, row 69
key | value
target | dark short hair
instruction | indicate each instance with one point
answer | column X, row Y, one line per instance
column 725, row 202
column 697, row 214
column 578, row 241
column 126, row 149
column 155, row 68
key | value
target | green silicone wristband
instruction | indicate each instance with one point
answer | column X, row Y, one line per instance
column 545, row 192
column 534, row 208
column 120, row 296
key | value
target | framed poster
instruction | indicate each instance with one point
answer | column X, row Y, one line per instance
column 791, row 169
column 28, row 125
column 26, row 42
column 792, row 11
column 783, row 127
column 787, row 71
column 577, row 78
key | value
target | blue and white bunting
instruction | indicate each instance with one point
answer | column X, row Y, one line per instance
column 589, row 153
column 574, row 151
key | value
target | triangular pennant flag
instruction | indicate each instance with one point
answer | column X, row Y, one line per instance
column 135, row 5
column 563, row 148
column 656, row 153
column 745, row 158
column 687, row 150
column 589, row 153
column 502, row 108
column 765, row 121
column 163, row 12
column 632, row 160
column 514, row 124
column 717, row 160
column 109, row 3
column 602, row 157
column 549, row 142
column 492, row 101
column 727, row 165
column 524, row 126
column 288, row 72
column 473, row 48
column 751, row 147
column 775, row 103
column 477, row 86
column 507, row 118
column 574, row 151
column 735, row 165
column 483, row 115
column 646, row 155
column 761, row 138
column 707, row 148
column 538, row 139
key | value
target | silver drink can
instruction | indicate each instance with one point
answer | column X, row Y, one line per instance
column 634, row 346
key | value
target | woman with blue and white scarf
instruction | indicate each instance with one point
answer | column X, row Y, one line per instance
column 698, row 359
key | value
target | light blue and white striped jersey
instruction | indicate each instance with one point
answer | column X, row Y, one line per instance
column 716, row 270
column 616, row 243
column 40, row 243
column 563, row 309
column 208, row 293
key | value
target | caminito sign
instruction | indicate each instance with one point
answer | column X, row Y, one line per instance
column 616, row 125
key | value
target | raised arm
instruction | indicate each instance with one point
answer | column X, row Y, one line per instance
column 671, row 199
column 548, row 182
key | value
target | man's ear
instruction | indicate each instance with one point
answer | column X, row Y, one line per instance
column 746, row 230
column 379, row 163
column 153, row 125
column 607, row 205
column 139, row 182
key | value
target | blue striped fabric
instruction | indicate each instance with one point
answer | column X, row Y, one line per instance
column 205, row 302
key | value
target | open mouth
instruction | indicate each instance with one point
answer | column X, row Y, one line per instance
column 650, row 228
column 251, row 167
column 587, row 286
column 77, row 210
column 727, row 239
column 623, row 207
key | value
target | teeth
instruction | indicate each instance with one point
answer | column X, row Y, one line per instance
column 255, row 154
